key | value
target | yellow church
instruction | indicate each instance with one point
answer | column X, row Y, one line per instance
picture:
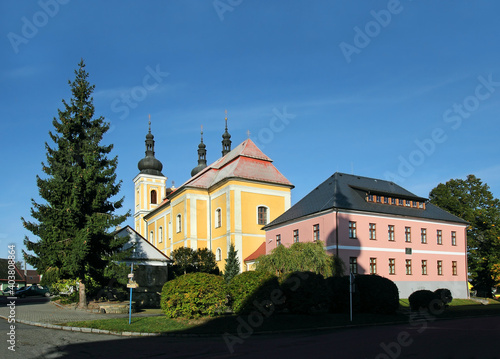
column 227, row 202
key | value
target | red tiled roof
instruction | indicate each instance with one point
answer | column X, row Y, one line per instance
column 245, row 161
column 259, row 252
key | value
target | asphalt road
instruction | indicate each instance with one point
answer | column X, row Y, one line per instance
column 452, row 339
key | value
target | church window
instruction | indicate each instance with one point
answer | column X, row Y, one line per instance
column 160, row 234
column 262, row 215
column 151, row 237
column 153, row 197
column 218, row 254
column 179, row 223
column 218, row 218
column 316, row 232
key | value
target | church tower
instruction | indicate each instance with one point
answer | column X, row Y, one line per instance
column 226, row 141
column 202, row 156
column 149, row 185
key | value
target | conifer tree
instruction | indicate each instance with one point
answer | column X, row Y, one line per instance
column 232, row 268
column 78, row 186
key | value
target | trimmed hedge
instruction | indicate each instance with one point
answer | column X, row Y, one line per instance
column 250, row 289
column 373, row 294
column 305, row 292
column 194, row 295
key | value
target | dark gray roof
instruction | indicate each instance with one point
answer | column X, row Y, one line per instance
column 343, row 191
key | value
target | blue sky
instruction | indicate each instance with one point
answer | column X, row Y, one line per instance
column 401, row 90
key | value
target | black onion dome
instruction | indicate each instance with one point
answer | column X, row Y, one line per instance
column 150, row 165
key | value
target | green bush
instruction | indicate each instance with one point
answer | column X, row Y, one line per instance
column 305, row 292
column 194, row 295
column 372, row 294
column 250, row 289
column 338, row 291
column 424, row 299
column 444, row 295
column 377, row 294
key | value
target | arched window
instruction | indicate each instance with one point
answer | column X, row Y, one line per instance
column 160, row 234
column 179, row 223
column 262, row 214
column 218, row 254
column 151, row 237
column 218, row 218
column 153, row 197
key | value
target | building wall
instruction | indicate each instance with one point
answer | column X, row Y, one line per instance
column 237, row 201
column 381, row 250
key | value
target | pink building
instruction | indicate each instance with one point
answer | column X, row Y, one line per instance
column 378, row 227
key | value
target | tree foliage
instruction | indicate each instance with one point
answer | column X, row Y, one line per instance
column 299, row 257
column 232, row 267
column 187, row 260
column 472, row 201
column 74, row 220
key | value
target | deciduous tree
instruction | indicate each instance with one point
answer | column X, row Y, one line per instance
column 471, row 200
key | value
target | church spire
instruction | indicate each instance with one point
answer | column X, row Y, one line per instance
column 202, row 156
column 226, row 140
column 149, row 164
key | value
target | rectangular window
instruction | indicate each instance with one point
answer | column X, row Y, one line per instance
column 373, row 233
column 393, row 201
column 316, row 232
column 453, row 238
column 392, row 266
column 408, row 267
column 218, row 218
column 407, row 234
column 423, row 235
column 414, row 203
column 352, row 229
column 353, row 265
column 424, row 267
column 401, row 202
column 373, row 265
column 454, row 267
column 278, row 240
column 386, row 200
column 408, row 203
column 295, row 235
column 440, row 267
column 262, row 215
column 370, row 198
column 390, row 232
column 379, row 199
column 439, row 236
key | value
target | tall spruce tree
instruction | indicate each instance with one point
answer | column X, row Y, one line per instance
column 74, row 224
column 232, row 268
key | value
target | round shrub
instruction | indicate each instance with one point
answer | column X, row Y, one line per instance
column 338, row 291
column 251, row 289
column 377, row 294
column 194, row 295
column 424, row 299
column 372, row 294
column 444, row 295
column 305, row 292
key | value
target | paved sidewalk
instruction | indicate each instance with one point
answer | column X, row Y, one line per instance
column 49, row 313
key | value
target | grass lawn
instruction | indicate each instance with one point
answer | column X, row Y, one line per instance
column 277, row 322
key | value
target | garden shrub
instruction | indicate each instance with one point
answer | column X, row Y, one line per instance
column 252, row 287
column 444, row 295
column 424, row 299
column 377, row 294
column 372, row 294
column 305, row 292
column 338, row 291
column 194, row 295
